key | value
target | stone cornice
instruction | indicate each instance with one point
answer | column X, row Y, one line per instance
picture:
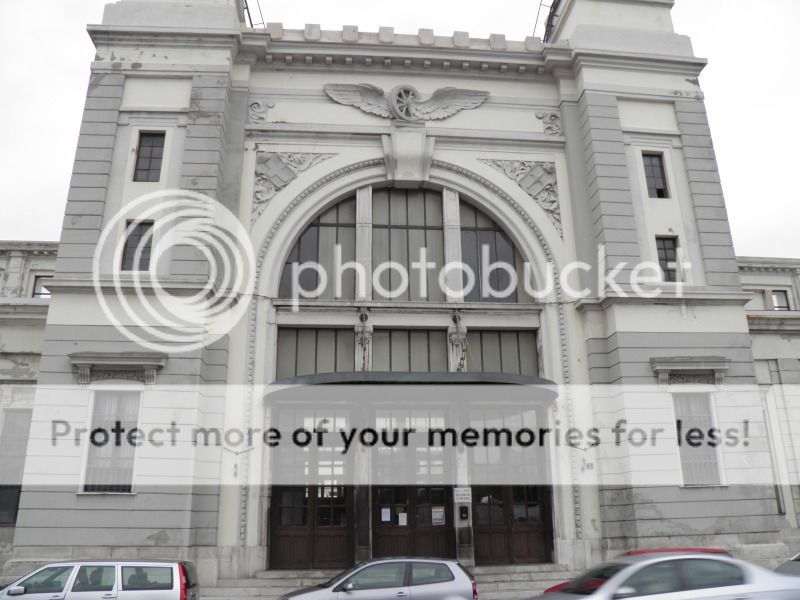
column 172, row 284
column 609, row 59
column 767, row 264
column 139, row 366
column 782, row 322
column 48, row 248
column 696, row 297
column 24, row 311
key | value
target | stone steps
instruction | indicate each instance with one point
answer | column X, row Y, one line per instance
column 511, row 582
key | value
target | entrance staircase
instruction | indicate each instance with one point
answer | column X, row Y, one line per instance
column 511, row 582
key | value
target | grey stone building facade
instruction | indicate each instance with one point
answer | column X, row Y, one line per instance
column 544, row 150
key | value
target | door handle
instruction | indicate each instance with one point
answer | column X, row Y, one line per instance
column 401, row 594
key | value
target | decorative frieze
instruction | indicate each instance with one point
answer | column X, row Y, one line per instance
column 129, row 366
column 538, row 180
column 404, row 102
column 276, row 170
column 551, row 121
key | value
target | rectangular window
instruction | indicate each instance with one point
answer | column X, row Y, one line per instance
column 138, row 243
column 13, row 449
column 700, row 465
column 311, row 351
column 655, row 175
column 40, row 286
column 667, row 248
column 149, row 156
column 512, row 352
column 110, row 467
column 780, row 300
column 409, row 350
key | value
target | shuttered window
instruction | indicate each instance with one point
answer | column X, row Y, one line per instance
column 700, row 465
column 512, row 352
column 414, row 350
column 310, row 351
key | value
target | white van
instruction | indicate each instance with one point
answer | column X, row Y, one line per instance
column 107, row 580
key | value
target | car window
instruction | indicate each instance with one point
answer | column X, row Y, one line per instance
column 660, row 578
column 146, row 578
column 51, row 580
column 384, row 575
column 95, row 578
column 702, row 574
column 423, row 573
column 593, row 579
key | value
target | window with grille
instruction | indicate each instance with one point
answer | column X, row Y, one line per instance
column 138, row 244
column 410, row 350
column 700, row 465
column 403, row 223
column 335, row 227
column 780, row 300
column 109, row 466
column 667, row 249
column 149, row 156
column 655, row 175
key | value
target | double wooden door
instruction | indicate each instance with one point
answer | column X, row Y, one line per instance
column 512, row 524
column 312, row 527
column 413, row 521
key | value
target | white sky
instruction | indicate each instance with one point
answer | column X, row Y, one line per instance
column 752, row 95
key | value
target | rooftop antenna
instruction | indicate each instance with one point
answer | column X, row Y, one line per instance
column 249, row 16
column 543, row 4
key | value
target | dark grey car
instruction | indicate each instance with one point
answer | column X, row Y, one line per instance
column 393, row 578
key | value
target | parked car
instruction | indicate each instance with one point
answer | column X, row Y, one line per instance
column 561, row 586
column 96, row 580
column 679, row 576
column 393, row 578
column 790, row 567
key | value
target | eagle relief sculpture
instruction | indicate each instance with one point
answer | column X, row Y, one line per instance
column 404, row 101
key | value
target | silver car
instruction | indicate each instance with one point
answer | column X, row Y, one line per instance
column 679, row 577
column 107, row 580
column 393, row 578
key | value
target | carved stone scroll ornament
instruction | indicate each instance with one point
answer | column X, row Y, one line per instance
column 538, row 179
column 404, row 101
column 257, row 111
column 276, row 170
column 552, row 122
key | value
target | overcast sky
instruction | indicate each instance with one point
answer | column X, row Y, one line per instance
column 751, row 90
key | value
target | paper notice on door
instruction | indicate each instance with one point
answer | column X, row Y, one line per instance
column 437, row 515
column 402, row 519
column 386, row 515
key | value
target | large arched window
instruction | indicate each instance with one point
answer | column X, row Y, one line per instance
column 407, row 243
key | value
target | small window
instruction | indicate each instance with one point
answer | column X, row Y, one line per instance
column 40, row 286
column 425, row 573
column 655, row 175
column 699, row 463
column 780, row 300
column 138, row 243
column 110, row 466
column 95, row 578
column 667, row 248
column 381, row 576
column 51, row 580
column 146, row 578
column 149, row 156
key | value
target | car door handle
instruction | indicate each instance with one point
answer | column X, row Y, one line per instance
column 401, row 594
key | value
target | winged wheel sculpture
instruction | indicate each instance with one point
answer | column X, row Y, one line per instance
column 404, row 101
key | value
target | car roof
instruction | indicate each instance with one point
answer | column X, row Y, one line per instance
column 414, row 558
column 636, row 559
column 105, row 561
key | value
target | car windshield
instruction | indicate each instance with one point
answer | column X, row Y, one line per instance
column 340, row 576
column 590, row 581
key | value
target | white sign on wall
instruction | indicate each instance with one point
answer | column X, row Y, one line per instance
column 462, row 495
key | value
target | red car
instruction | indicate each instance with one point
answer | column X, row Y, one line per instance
column 588, row 585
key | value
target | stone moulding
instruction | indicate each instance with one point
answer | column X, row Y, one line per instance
column 538, row 180
column 276, row 170
column 690, row 369
column 133, row 366
column 257, row 111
